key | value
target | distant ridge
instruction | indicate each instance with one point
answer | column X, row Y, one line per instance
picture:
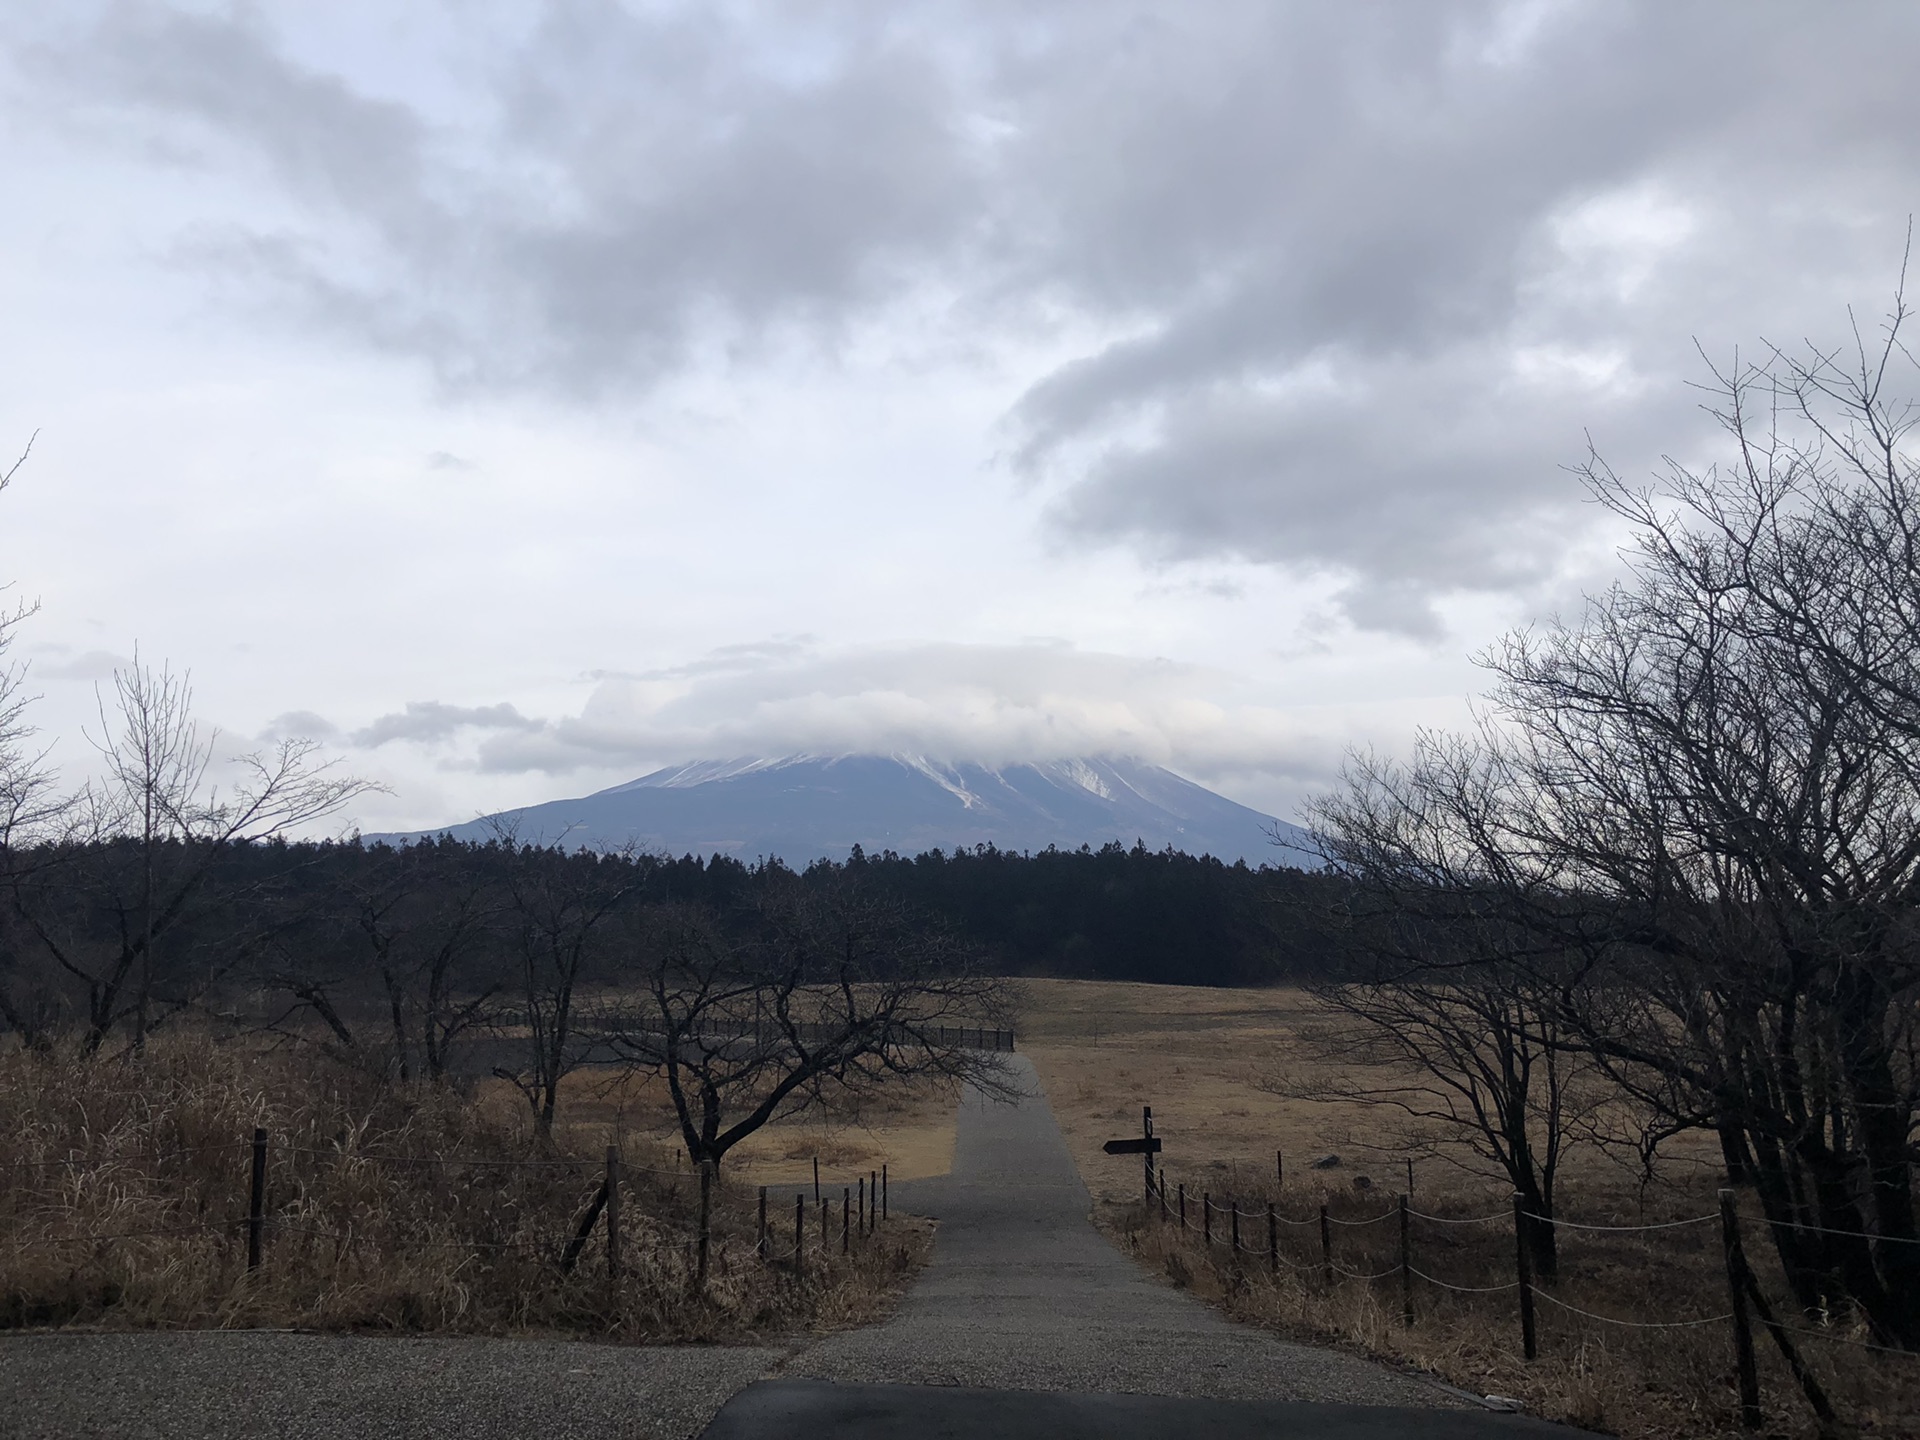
column 801, row 808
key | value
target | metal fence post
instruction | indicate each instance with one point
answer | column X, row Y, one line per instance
column 1523, row 1270
column 1273, row 1241
column 799, row 1236
column 257, row 1201
column 1742, row 1328
column 1326, row 1249
column 1206, row 1218
column 1406, row 1261
column 846, row 1219
column 613, row 1212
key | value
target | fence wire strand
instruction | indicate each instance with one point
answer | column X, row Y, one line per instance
column 1620, row 1229
column 1849, row 1234
column 1463, row 1289
column 1551, row 1299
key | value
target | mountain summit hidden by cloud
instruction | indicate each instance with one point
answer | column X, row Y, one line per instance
column 802, row 807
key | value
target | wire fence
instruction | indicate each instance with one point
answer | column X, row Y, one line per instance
column 31, row 1219
column 1237, row 1237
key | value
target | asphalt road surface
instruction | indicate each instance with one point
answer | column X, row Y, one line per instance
column 1029, row 1324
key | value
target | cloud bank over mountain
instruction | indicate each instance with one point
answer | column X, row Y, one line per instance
column 991, row 705
column 397, row 366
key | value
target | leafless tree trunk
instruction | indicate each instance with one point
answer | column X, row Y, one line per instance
column 1700, row 803
column 824, row 997
column 563, row 906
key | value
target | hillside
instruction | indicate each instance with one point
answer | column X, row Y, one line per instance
column 801, row 808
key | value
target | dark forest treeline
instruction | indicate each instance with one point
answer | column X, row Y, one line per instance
column 325, row 930
column 1118, row 914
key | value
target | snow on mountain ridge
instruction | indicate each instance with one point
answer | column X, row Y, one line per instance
column 802, row 807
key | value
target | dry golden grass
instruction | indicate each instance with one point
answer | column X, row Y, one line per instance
column 909, row 1129
column 402, row 1208
column 1196, row 1056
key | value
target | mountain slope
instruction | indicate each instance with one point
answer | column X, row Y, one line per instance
column 801, row 808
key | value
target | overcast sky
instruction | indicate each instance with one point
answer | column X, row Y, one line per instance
column 520, row 397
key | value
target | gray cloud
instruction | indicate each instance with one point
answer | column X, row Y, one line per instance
column 430, row 721
column 990, row 703
column 300, row 725
column 1358, row 276
column 95, row 665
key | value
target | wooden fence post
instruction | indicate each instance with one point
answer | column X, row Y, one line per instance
column 257, row 1200
column 1206, row 1218
column 1326, row 1249
column 846, row 1219
column 760, row 1235
column 1742, row 1329
column 1406, row 1260
column 613, row 1213
column 1273, row 1241
column 1523, row 1270
column 1146, row 1130
column 799, row 1235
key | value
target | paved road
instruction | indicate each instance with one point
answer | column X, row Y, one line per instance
column 1029, row 1326
column 806, row 1409
column 1024, row 1294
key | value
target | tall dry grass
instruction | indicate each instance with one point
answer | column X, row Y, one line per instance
column 1201, row 1059
column 124, row 1192
column 1642, row 1384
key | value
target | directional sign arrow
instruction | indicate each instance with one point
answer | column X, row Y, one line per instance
column 1147, row 1146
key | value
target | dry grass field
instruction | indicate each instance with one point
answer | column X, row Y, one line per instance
column 408, row 1208
column 909, row 1130
column 1198, row 1057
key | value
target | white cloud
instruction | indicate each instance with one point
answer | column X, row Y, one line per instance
column 992, row 703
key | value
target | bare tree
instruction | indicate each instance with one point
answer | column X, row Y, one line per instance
column 562, row 908
column 828, row 995
column 143, row 841
column 400, row 963
column 30, row 812
column 1708, row 812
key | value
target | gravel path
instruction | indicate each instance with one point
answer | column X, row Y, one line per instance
column 1024, row 1294
column 228, row 1385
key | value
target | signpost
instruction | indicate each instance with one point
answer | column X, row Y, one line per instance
column 1146, row 1147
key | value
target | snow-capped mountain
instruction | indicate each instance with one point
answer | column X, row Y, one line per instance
column 803, row 807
